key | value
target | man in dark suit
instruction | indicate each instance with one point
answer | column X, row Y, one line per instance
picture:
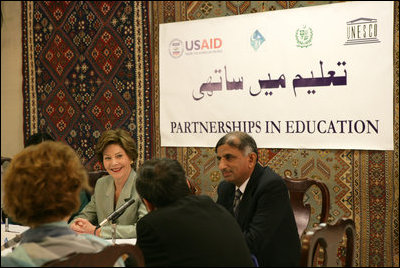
column 262, row 209
column 182, row 229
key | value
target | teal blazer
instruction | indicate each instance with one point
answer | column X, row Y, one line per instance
column 101, row 205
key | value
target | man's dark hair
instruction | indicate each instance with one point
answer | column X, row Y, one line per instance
column 241, row 140
column 162, row 182
column 38, row 138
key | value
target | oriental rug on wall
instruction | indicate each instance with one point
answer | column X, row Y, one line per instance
column 363, row 185
column 86, row 69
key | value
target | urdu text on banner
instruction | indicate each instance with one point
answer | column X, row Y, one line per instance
column 311, row 77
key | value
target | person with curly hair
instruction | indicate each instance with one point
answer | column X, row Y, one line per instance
column 34, row 139
column 41, row 190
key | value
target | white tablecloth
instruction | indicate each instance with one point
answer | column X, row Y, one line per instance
column 13, row 230
column 17, row 229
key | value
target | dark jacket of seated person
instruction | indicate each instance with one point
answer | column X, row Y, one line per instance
column 183, row 229
column 264, row 212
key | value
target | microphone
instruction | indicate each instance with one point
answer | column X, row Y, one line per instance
column 115, row 215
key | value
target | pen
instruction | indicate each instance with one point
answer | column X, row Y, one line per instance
column 12, row 243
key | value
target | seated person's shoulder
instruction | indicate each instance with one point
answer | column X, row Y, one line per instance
column 271, row 174
column 106, row 179
column 271, row 180
column 7, row 261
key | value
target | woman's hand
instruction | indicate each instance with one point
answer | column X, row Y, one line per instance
column 82, row 226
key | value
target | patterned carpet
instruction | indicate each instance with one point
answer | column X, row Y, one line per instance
column 90, row 66
column 363, row 185
column 87, row 69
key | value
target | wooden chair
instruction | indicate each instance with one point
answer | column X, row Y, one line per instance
column 329, row 245
column 105, row 258
column 302, row 212
column 320, row 245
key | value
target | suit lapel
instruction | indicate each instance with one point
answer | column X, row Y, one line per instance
column 126, row 190
column 108, row 200
column 246, row 202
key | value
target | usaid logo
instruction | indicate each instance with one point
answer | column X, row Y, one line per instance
column 362, row 31
column 194, row 47
column 176, row 48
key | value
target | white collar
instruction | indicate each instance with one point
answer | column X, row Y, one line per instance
column 242, row 187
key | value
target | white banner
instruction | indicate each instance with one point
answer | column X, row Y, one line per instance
column 312, row 77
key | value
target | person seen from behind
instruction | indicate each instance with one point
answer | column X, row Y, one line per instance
column 183, row 229
column 41, row 190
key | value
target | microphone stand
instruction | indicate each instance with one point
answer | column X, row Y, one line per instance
column 114, row 216
column 113, row 231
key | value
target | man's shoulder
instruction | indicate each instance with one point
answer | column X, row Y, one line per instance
column 194, row 208
column 268, row 174
column 265, row 178
column 186, row 205
column 269, row 171
column 192, row 201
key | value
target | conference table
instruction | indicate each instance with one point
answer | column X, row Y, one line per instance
column 14, row 230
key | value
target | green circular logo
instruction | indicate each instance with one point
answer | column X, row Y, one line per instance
column 304, row 36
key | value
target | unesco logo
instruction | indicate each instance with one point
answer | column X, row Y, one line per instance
column 176, row 48
column 362, row 31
